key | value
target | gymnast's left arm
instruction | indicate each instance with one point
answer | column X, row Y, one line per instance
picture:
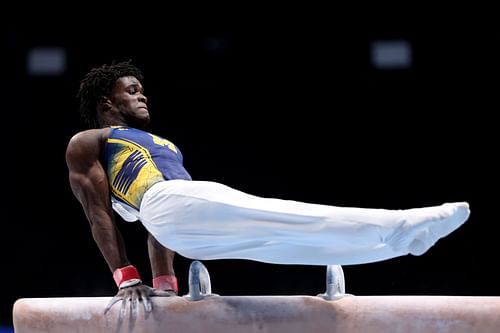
column 162, row 266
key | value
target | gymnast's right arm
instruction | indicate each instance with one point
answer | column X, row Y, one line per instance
column 89, row 184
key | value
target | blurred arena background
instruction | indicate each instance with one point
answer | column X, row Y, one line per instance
column 383, row 110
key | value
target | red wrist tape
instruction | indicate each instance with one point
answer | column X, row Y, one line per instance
column 126, row 276
column 166, row 282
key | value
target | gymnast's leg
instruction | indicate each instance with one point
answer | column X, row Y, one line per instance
column 208, row 220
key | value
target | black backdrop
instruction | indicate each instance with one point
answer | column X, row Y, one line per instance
column 278, row 108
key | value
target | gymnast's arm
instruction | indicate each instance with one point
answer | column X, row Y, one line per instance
column 162, row 266
column 90, row 186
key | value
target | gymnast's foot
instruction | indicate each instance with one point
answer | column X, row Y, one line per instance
column 421, row 228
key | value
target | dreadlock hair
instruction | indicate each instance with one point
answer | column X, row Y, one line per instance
column 99, row 82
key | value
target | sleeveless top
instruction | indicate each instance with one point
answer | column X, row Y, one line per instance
column 135, row 160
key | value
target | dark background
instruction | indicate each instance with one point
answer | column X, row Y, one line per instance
column 280, row 105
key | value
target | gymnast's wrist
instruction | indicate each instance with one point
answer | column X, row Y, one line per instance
column 126, row 276
column 166, row 282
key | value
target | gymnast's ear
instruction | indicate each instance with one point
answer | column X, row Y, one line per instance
column 103, row 103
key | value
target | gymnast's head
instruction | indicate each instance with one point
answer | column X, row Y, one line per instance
column 113, row 95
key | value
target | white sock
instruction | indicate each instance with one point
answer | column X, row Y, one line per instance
column 421, row 228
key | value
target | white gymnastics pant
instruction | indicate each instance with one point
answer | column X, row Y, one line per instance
column 207, row 220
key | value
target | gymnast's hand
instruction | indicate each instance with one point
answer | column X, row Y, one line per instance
column 141, row 293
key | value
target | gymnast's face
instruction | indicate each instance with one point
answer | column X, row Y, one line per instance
column 128, row 105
